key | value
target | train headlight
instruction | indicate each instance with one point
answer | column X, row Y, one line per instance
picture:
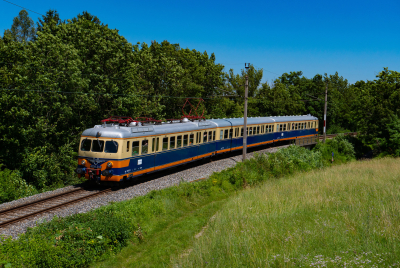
column 109, row 165
column 83, row 162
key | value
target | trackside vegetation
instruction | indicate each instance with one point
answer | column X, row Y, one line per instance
column 347, row 216
column 155, row 226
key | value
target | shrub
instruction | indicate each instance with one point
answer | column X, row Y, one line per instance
column 12, row 186
column 343, row 150
column 75, row 241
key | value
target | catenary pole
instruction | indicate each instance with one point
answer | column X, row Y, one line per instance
column 246, row 90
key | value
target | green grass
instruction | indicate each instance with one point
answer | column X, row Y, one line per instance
column 345, row 216
column 157, row 249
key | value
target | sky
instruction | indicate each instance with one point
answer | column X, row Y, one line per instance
column 355, row 38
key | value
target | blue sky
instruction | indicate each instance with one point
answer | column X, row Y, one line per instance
column 355, row 38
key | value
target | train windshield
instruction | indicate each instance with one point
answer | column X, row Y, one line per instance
column 111, row 147
column 86, row 144
column 98, row 146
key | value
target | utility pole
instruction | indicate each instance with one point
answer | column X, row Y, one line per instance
column 246, row 90
column 326, row 103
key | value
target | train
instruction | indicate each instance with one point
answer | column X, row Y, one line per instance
column 120, row 149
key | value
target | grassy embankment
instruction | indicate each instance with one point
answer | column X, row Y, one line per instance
column 347, row 216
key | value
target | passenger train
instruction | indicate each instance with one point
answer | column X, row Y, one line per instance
column 114, row 152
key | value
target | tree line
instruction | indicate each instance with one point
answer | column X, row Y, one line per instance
column 60, row 77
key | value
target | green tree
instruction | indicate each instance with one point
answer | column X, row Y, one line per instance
column 51, row 19
column 23, row 28
column 377, row 109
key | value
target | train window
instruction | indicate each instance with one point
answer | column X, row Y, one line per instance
column 214, row 135
column 205, row 136
column 308, row 124
column 155, row 144
column 241, row 132
column 127, row 146
column 250, row 131
column 254, row 130
column 185, row 140
column 191, row 139
column 198, row 137
column 165, row 144
column 171, row 142
column 145, row 146
column 111, row 147
column 179, row 141
column 230, row 133
column 258, row 130
column 226, row 134
column 284, row 127
column 135, row 148
column 98, row 146
column 272, row 128
column 277, row 127
column 209, row 135
column 86, row 144
column 221, row 135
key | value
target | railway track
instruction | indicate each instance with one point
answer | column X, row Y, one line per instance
column 16, row 214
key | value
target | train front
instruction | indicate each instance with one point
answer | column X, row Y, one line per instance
column 99, row 157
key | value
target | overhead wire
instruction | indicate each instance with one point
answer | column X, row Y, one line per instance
column 22, row 7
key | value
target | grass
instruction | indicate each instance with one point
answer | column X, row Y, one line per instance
column 346, row 216
column 157, row 250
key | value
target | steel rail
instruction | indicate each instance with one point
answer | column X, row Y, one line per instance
column 51, row 208
column 39, row 201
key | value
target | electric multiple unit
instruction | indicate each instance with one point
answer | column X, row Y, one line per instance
column 124, row 149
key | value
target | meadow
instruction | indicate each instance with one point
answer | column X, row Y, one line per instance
column 343, row 216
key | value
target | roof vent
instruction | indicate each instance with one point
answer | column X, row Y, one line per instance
column 185, row 120
column 132, row 124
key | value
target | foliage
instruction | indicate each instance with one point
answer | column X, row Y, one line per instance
column 12, row 186
column 75, row 241
column 377, row 106
column 23, row 28
column 390, row 144
column 342, row 149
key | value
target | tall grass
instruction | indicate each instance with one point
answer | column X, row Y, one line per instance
column 347, row 216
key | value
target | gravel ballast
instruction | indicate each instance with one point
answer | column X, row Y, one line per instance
column 203, row 170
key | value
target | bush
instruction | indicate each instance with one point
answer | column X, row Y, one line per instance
column 12, row 186
column 343, row 150
column 75, row 241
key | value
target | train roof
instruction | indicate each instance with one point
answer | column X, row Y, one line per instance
column 116, row 131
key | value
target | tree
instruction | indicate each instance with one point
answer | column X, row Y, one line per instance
column 52, row 19
column 23, row 28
